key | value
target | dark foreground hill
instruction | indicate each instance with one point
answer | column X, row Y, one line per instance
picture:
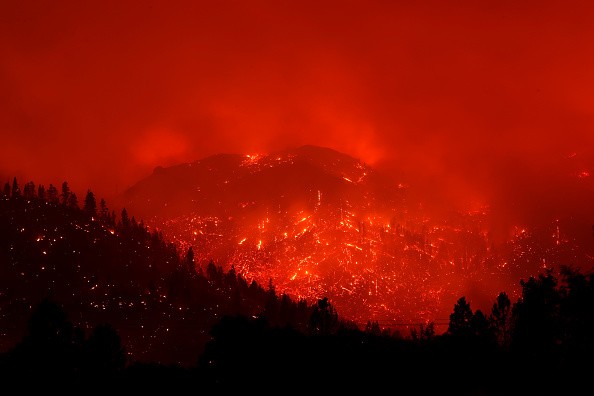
column 103, row 270
column 91, row 301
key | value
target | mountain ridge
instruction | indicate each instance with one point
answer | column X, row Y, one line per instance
column 319, row 223
column 315, row 221
column 287, row 172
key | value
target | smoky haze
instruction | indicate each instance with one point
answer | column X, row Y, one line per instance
column 469, row 104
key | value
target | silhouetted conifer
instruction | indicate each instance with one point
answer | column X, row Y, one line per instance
column 125, row 220
column 29, row 190
column 72, row 201
column 190, row 264
column 52, row 194
column 90, row 205
column 536, row 327
column 103, row 211
column 500, row 319
column 41, row 192
column 65, row 196
column 16, row 191
column 461, row 319
column 323, row 319
column 104, row 353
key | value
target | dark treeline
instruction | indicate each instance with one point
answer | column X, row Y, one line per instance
column 108, row 268
column 87, row 295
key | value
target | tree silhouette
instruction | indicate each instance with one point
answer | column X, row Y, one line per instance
column 480, row 326
column 500, row 319
column 214, row 274
column 323, row 319
column 41, row 192
column 52, row 194
column 90, row 205
column 29, row 190
column 461, row 319
column 190, row 264
column 424, row 333
column 271, row 305
column 72, row 201
column 577, row 313
column 49, row 324
column 373, row 328
column 16, row 191
column 536, row 328
column 50, row 345
column 103, row 350
column 125, row 221
column 65, row 196
column 103, row 211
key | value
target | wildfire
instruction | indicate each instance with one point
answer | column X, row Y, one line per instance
column 366, row 264
column 372, row 256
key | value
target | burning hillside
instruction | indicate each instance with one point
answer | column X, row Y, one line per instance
column 316, row 223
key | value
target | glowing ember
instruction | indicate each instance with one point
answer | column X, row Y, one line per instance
column 583, row 174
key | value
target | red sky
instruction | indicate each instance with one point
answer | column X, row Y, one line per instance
column 487, row 100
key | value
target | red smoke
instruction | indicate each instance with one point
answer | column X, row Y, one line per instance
column 481, row 102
